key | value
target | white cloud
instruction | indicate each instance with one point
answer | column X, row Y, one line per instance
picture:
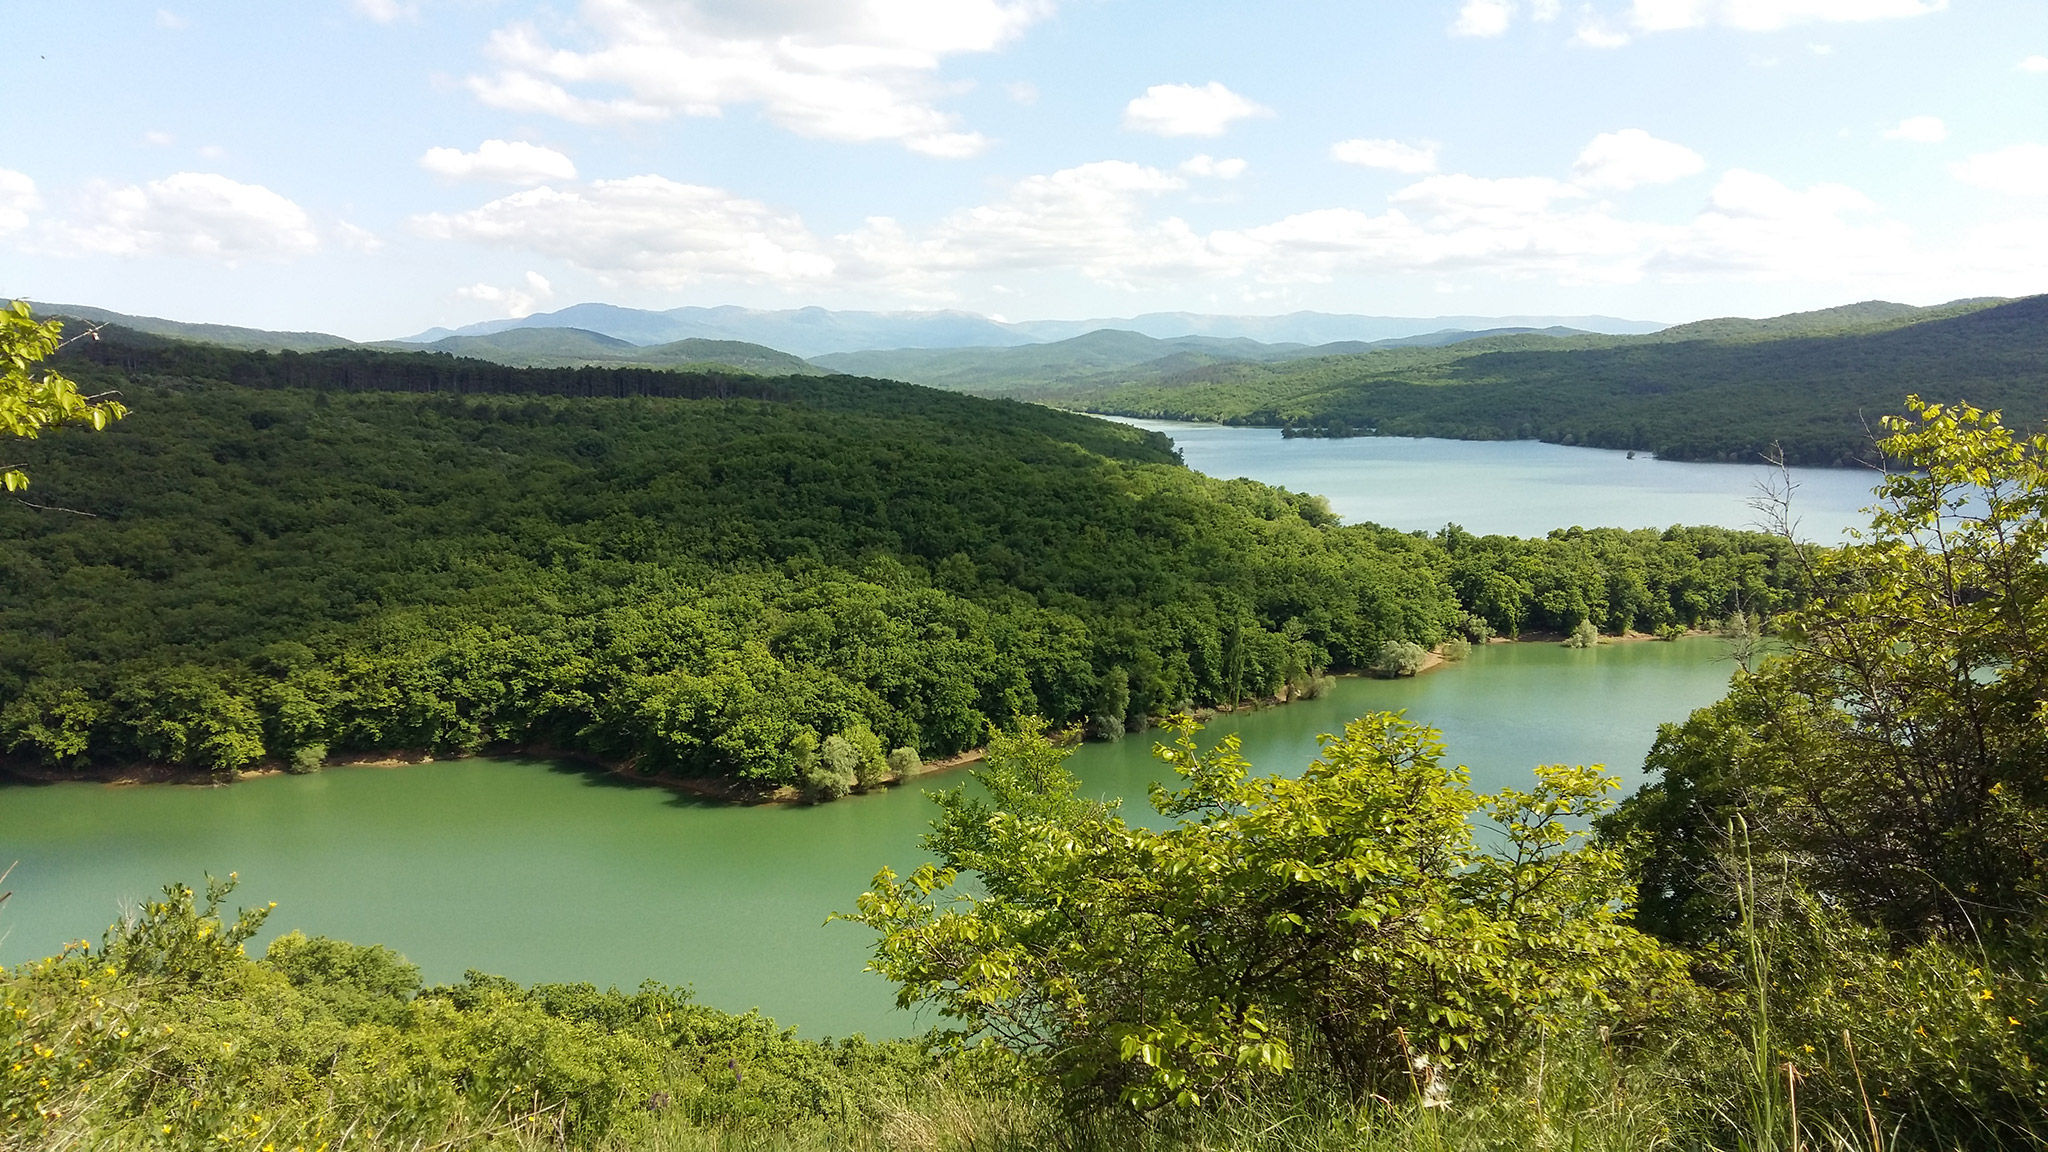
column 356, row 237
column 1121, row 225
column 848, row 70
column 198, row 214
column 505, row 161
column 1766, row 15
column 2021, row 170
column 1208, row 167
column 1545, row 10
column 1392, row 155
column 388, row 11
column 1596, row 33
column 1185, row 110
column 17, row 199
column 2034, row 64
column 165, row 18
column 1484, row 18
column 647, row 229
column 158, row 139
column 1622, row 160
column 1919, row 130
column 1023, row 92
column 516, row 302
column 1757, row 227
column 1087, row 219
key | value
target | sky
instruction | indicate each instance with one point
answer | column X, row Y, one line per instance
column 374, row 167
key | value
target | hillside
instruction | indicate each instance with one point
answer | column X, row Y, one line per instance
column 1814, row 384
column 1041, row 367
column 225, row 335
column 824, row 331
column 1110, row 358
column 572, row 347
column 694, row 573
column 279, row 556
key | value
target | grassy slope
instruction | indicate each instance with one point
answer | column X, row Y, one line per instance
column 1719, row 390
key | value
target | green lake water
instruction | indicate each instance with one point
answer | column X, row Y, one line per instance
column 1517, row 487
column 547, row 872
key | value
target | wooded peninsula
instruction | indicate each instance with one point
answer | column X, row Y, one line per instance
column 706, row 575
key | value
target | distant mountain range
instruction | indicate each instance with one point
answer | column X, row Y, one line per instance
column 1813, row 383
column 1108, row 357
column 574, row 347
column 813, row 332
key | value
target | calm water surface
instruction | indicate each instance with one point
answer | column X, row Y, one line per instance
column 1514, row 487
column 544, row 872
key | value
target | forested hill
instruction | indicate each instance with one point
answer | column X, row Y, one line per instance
column 1729, row 397
column 122, row 356
column 275, row 558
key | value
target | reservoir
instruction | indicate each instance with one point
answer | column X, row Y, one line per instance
column 543, row 871
column 1516, row 487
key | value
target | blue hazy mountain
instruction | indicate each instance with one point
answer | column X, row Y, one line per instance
column 812, row 332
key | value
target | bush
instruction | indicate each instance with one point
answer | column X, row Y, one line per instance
column 833, row 772
column 306, row 758
column 1584, row 635
column 357, row 984
column 1337, row 923
column 168, row 1037
column 1456, row 648
column 1400, row 658
column 870, row 766
column 1671, row 632
column 905, row 763
column 1477, row 628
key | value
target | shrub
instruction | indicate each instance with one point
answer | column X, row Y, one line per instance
column 833, row 773
column 1584, row 635
column 1336, row 923
column 306, row 758
column 1456, row 648
column 1400, row 658
column 870, row 766
column 905, row 763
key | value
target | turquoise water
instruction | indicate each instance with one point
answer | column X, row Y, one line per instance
column 1515, row 487
column 548, row 872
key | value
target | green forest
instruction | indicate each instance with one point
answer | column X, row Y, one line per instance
column 1717, row 390
column 281, row 558
column 1819, row 927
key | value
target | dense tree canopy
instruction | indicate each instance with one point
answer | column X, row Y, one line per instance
column 704, row 575
column 1705, row 397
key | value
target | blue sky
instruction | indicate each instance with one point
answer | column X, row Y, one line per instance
column 373, row 167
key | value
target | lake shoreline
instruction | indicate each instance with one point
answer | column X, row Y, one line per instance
column 719, row 791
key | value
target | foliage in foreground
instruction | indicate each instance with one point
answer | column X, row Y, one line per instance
column 33, row 401
column 168, row 1037
column 1352, row 924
